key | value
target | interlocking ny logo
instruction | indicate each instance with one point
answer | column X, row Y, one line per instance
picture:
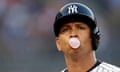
column 72, row 9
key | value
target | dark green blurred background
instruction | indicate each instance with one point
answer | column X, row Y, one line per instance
column 27, row 42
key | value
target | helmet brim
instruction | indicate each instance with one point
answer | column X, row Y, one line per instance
column 73, row 18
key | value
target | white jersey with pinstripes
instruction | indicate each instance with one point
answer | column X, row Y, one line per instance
column 102, row 67
column 105, row 67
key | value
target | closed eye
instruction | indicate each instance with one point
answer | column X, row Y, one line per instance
column 81, row 27
column 65, row 28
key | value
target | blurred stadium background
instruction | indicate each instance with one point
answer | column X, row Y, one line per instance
column 27, row 41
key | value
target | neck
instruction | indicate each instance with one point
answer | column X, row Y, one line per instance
column 80, row 63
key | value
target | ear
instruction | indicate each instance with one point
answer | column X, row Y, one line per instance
column 58, row 44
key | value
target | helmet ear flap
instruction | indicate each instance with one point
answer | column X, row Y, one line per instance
column 95, row 35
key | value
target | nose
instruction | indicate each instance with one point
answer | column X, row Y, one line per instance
column 74, row 33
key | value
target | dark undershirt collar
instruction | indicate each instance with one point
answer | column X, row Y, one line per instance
column 95, row 65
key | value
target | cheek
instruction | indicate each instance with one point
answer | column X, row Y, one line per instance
column 85, row 39
column 86, row 35
column 63, row 43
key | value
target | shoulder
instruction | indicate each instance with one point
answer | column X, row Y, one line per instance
column 106, row 67
column 103, row 67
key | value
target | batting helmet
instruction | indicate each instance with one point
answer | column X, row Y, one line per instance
column 77, row 12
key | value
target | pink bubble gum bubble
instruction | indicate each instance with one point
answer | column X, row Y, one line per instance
column 74, row 42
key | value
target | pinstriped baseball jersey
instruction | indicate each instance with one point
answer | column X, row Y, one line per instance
column 101, row 67
column 105, row 67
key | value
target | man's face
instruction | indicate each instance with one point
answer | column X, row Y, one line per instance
column 74, row 29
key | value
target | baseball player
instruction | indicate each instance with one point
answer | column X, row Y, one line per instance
column 77, row 36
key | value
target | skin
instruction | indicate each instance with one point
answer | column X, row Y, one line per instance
column 82, row 58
